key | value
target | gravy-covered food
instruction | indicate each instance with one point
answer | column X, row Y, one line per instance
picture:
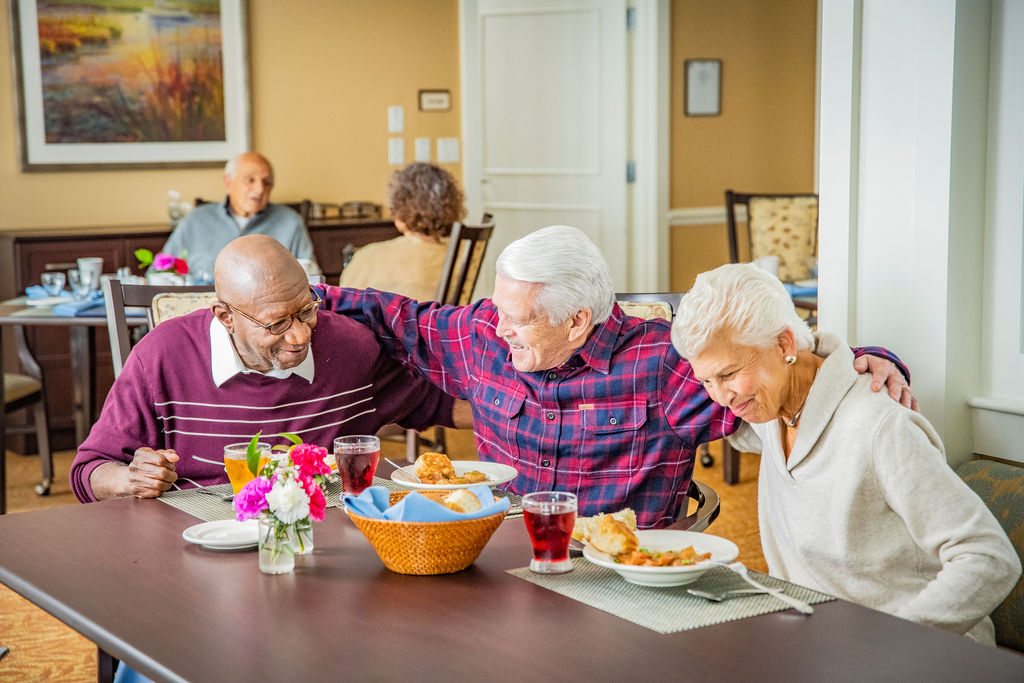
column 436, row 468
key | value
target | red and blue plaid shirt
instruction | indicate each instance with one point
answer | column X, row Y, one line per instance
column 618, row 424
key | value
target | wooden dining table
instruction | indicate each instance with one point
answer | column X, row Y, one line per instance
column 120, row 573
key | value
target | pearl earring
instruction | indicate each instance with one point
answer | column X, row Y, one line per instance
column 790, row 360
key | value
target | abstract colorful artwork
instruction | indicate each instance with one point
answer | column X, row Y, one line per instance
column 130, row 82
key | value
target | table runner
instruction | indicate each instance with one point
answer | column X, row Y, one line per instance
column 671, row 609
column 210, row 508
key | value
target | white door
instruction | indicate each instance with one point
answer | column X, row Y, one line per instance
column 544, row 115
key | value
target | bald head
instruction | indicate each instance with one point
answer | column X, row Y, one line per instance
column 248, row 179
column 256, row 268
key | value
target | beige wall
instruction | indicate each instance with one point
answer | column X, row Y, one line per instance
column 323, row 75
column 764, row 138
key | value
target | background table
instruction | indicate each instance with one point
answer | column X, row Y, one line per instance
column 119, row 573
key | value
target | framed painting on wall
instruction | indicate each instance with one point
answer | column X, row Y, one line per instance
column 130, row 84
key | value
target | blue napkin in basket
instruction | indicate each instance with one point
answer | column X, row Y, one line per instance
column 37, row 292
column 375, row 501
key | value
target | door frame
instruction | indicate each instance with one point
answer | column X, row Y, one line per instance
column 647, row 199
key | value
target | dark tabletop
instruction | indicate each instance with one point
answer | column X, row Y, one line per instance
column 119, row 573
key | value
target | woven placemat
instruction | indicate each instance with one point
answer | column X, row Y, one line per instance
column 208, row 503
column 670, row 609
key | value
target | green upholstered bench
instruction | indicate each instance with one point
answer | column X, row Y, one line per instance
column 1001, row 486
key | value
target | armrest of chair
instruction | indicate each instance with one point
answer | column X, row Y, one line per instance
column 708, row 507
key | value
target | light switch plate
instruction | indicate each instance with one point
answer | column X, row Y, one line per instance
column 447, row 150
column 396, row 119
column 396, row 151
column 422, row 149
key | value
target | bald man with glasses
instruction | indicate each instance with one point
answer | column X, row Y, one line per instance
column 262, row 358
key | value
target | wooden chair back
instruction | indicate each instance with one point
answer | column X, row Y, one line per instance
column 467, row 246
column 119, row 296
column 648, row 305
column 795, row 243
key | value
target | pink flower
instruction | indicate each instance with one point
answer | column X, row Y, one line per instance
column 180, row 267
column 162, row 261
column 317, row 503
column 252, row 499
column 310, row 459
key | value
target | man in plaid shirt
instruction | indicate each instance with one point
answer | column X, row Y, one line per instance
column 565, row 387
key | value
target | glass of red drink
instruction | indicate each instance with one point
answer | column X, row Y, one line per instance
column 550, row 516
column 357, row 458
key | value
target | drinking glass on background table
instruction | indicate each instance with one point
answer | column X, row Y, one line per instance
column 81, row 283
column 357, row 458
column 237, row 465
column 550, row 516
column 92, row 265
column 53, row 283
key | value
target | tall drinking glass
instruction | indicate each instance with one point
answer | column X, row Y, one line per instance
column 357, row 458
column 549, row 517
column 237, row 466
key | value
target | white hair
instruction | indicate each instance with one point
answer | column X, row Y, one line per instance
column 229, row 168
column 572, row 269
column 745, row 302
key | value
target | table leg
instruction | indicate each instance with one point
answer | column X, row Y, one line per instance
column 105, row 666
column 83, row 372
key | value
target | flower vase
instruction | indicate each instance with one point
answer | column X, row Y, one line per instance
column 163, row 279
column 301, row 536
column 275, row 542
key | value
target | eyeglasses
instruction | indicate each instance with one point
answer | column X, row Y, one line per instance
column 306, row 314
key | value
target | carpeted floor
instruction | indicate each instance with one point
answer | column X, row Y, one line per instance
column 44, row 649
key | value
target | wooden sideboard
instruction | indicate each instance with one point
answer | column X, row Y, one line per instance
column 24, row 255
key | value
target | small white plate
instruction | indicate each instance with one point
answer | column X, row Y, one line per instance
column 660, row 540
column 224, row 534
column 496, row 472
column 48, row 301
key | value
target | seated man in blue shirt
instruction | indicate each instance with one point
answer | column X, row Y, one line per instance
column 248, row 179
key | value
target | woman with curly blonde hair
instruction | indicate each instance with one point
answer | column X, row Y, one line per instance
column 424, row 201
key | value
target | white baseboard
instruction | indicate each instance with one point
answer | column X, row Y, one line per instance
column 998, row 426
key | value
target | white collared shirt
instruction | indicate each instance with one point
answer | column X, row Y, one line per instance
column 226, row 363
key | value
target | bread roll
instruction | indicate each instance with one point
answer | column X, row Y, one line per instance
column 584, row 526
column 434, row 468
column 613, row 536
column 462, row 501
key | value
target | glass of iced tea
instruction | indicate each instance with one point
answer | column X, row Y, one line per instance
column 357, row 458
column 550, row 516
column 236, row 465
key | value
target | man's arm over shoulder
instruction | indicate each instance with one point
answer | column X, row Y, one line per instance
column 437, row 341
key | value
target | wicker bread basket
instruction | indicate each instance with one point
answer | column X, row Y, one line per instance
column 427, row 547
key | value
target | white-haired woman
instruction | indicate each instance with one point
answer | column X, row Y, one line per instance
column 855, row 496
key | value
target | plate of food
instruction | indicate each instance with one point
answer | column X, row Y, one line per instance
column 653, row 557
column 224, row 534
column 436, row 471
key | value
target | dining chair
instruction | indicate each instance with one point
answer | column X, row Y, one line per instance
column 648, row 305
column 25, row 390
column 709, row 504
column 467, row 246
column 157, row 305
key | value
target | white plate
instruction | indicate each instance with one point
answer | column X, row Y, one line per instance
column 47, row 301
column 225, row 534
column 722, row 550
column 813, row 282
column 497, row 473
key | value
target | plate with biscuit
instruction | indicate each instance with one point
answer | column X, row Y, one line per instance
column 650, row 557
column 437, row 471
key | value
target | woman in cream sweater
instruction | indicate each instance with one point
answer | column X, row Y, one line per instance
column 424, row 201
column 855, row 497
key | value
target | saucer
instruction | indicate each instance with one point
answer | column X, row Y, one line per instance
column 225, row 534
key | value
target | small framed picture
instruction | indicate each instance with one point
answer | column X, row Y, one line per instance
column 703, row 87
column 435, row 100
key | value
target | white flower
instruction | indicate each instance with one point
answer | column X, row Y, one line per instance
column 288, row 501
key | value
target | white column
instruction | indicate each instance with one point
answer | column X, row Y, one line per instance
column 903, row 158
